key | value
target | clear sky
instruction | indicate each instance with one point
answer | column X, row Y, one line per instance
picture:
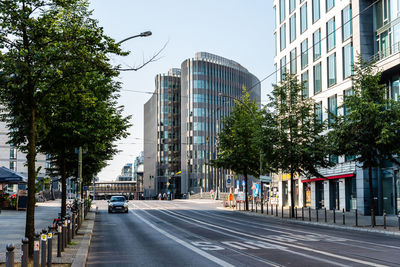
column 241, row 30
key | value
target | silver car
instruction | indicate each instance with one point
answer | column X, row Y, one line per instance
column 117, row 204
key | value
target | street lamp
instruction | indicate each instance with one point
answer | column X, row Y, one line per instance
column 143, row 34
column 254, row 117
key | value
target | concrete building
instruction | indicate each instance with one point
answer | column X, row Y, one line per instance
column 319, row 40
column 182, row 119
column 126, row 173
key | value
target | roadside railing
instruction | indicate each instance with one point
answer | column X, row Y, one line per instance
column 64, row 228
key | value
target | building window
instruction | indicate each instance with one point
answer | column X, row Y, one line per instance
column 317, row 78
column 304, row 54
column 318, row 112
column 332, row 109
column 316, row 9
column 347, row 61
column 334, row 159
column 331, row 69
column 282, row 12
column 13, row 165
column 329, row 4
column 293, row 60
column 331, row 36
column 283, row 68
column 292, row 5
column 303, row 18
column 283, row 36
column 304, row 81
column 13, row 153
column 274, row 17
column 317, row 44
column 292, row 22
column 394, row 88
column 346, row 93
column 275, row 50
column 347, row 29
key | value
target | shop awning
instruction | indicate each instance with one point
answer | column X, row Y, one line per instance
column 8, row 176
column 349, row 175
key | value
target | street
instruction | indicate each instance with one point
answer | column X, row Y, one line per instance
column 196, row 233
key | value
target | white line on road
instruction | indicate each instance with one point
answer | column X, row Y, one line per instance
column 286, row 244
column 185, row 244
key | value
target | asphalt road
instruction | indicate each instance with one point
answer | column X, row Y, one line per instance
column 196, row 233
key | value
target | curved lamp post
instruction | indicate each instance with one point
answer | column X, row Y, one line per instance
column 143, row 34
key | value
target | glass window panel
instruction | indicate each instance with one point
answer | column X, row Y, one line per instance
column 292, row 29
column 332, row 109
column 283, row 36
column 283, row 68
column 274, row 17
column 316, row 8
column 317, row 44
column 317, row 78
column 329, row 4
column 303, row 18
column 347, row 93
column 292, row 5
column 304, row 80
column 304, row 53
column 318, row 112
column 347, row 29
column 331, row 36
column 293, row 61
column 282, row 10
column 347, row 61
column 332, row 69
column 394, row 89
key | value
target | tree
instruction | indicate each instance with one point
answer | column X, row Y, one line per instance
column 38, row 45
column 236, row 141
column 300, row 147
column 370, row 127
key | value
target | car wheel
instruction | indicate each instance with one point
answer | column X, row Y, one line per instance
column 109, row 211
column 126, row 211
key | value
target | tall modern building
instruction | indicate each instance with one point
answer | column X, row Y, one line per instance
column 319, row 40
column 182, row 120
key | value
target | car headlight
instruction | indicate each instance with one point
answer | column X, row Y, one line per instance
column 125, row 205
column 111, row 204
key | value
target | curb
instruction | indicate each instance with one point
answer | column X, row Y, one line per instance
column 337, row 227
column 83, row 251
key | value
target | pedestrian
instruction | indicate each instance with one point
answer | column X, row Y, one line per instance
column 159, row 196
column 164, row 196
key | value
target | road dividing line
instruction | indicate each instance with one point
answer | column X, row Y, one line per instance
column 185, row 244
column 280, row 243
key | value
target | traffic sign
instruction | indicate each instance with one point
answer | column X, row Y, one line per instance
column 229, row 181
column 253, row 187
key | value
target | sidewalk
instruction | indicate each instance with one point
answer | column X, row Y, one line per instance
column 76, row 252
column 333, row 220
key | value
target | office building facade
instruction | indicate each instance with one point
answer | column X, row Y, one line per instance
column 319, row 40
column 182, row 120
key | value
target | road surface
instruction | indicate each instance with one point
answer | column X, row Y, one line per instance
column 196, row 233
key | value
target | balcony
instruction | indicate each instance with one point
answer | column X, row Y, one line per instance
column 387, row 58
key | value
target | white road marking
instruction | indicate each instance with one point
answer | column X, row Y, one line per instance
column 185, row 244
column 291, row 245
column 207, row 245
column 238, row 245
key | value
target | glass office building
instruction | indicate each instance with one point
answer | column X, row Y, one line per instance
column 203, row 79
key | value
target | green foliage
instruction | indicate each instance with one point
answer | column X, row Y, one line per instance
column 299, row 145
column 236, row 141
column 370, row 128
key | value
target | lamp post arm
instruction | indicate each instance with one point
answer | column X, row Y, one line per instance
column 143, row 34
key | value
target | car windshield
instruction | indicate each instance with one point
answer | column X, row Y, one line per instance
column 117, row 199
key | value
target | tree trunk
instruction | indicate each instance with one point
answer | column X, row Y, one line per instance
column 64, row 186
column 246, row 192
column 31, row 158
column 292, row 195
column 371, row 197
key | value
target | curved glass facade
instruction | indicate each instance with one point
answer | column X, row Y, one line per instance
column 203, row 78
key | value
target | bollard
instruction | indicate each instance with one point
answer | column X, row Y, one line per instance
column 326, row 218
column 50, row 246
column 73, row 224
column 295, row 210
column 334, row 216
column 316, row 213
column 267, row 208
column 256, row 206
column 262, row 206
column 356, row 217
column 64, row 232
column 36, row 250
column 276, row 210
column 59, row 239
column 24, row 248
column 384, row 219
column 344, row 222
column 282, row 211
column 252, row 206
column 399, row 220
column 10, row 255
column 43, row 239
column 69, row 231
column 302, row 213
column 309, row 214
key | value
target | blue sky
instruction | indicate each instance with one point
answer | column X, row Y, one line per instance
column 236, row 29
